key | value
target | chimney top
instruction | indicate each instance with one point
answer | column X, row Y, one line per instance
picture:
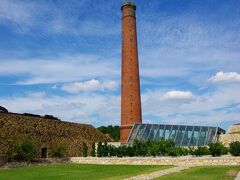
column 128, row 4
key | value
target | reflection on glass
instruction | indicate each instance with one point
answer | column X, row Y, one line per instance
column 182, row 135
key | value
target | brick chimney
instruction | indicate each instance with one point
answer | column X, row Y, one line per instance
column 130, row 95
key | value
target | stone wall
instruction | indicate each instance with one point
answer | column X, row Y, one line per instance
column 48, row 133
column 226, row 139
column 175, row 161
column 234, row 129
column 233, row 134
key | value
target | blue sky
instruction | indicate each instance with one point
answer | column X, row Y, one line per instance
column 64, row 58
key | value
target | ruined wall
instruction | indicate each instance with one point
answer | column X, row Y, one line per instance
column 233, row 134
column 48, row 132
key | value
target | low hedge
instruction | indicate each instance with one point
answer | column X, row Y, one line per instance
column 234, row 148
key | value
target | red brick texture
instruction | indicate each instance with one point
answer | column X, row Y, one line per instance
column 130, row 97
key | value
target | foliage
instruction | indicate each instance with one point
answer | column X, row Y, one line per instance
column 93, row 152
column 84, row 150
column 177, row 151
column 217, row 149
column 234, row 148
column 112, row 131
column 105, row 149
column 141, row 148
column 200, row 151
column 23, row 149
column 46, row 132
column 59, row 148
column 99, row 149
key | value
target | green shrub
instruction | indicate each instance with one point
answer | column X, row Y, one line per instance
column 58, row 149
column 84, row 150
column 217, row 149
column 93, row 150
column 177, row 151
column 200, row 151
column 112, row 151
column 99, row 150
column 105, row 149
column 23, row 150
column 234, row 148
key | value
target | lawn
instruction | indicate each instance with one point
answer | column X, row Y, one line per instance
column 207, row 173
column 77, row 171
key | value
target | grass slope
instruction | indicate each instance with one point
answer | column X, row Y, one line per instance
column 77, row 171
column 207, row 172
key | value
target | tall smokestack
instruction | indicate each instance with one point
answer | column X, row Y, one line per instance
column 130, row 98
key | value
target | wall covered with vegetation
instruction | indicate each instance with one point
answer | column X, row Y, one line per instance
column 54, row 135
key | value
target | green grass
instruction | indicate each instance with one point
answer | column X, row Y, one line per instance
column 77, row 171
column 205, row 173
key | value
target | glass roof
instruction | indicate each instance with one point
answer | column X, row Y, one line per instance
column 182, row 135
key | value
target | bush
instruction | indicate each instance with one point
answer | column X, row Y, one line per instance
column 112, row 151
column 234, row 148
column 23, row 150
column 217, row 149
column 200, row 151
column 99, row 150
column 105, row 149
column 93, row 150
column 84, row 150
column 58, row 149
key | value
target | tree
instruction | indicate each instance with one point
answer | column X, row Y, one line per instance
column 99, row 149
column 23, row 150
column 234, row 148
column 58, row 148
column 93, row 150
column 84, row 150
column 112, row 131
column 217, row 149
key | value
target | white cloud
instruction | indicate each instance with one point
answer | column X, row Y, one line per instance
column 51, row 18
column 178, row 95
column 60, row 69
column 90, row 85
column 17, row 12
column 210, row 108
column 222, row 105
column 91, row 108
column 225, row 77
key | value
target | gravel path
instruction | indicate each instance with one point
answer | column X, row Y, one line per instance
column 159, row 173
column 238, row 176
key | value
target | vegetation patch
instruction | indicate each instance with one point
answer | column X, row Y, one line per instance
column 234, row 148
column 54, row 138
column 160, row 148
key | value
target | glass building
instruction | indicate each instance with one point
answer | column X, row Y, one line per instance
column 182, row 135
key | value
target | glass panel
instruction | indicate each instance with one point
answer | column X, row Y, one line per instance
column 180, row 135
column 140, row 132
column 202, row 136
column 174, row 132
column 153, row 132
column 134, row 133
column 146, row 132
column 160, row 131
column 187, row 136
column 211, row 136
column 167, row 132
column 195, row 136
